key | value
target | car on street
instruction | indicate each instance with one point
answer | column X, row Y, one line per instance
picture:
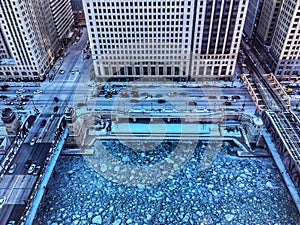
column 192, row 103
column 61, row 71
column 236, row 97
column 161, row 101
column 29, row 96
column 43, row 123
column 37, row 92
column 51, row 117
column 288, row 90
column 55, row 109
column 19, row 96
column 56, row 99
column 2, row 201
column 73, row 71
column 172, row 94
column 12, row 168
column 212, row 97
column 9, row 103
column 224, row 97
column 31, row 168
column 33, row 140
column 108, row 95
column 227, row 103
column 36, row 170
column 28, row 164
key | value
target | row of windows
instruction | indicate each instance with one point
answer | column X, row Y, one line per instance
column 139, row 4
column 137, row 19
column 136, row 56
column 118, row 30
column 131, row 11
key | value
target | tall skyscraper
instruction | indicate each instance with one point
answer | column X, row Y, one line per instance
column 253, row 12
column 285, row 44
column 218, row 27
column 176, row 39
column 76, row 5
column 78, row 12
column 267, row 21
column 63, row 16
column 282, row 38
column 29, row 38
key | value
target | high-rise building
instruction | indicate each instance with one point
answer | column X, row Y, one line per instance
column 63, row 17
column 29, row 38
column 78, row 12
column 267, row 21
column 176, row 39
column 218, row 27
column 285, row 44
column 76, row 5
column 253, row 12
column 282, row 38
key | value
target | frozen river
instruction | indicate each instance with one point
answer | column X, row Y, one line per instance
column 228, row 190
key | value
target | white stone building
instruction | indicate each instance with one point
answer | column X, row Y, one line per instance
column 176, row 39
column 285, row 44
column 29, row 37
column 279, row 33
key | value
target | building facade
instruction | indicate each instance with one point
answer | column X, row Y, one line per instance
column 176, row 39
column 285, row 44
column 216, row 38
column 29, row 39
column 76, row 5
column 267, row 21
column 253, row 12
column 282, row 38
column 78, row 12
column 27, row 45
column 63, row 17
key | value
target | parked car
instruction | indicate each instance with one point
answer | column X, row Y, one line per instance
column 61, row 71
column 73, row 71
column 161, row 101
column 56, row 99
column 12, row 168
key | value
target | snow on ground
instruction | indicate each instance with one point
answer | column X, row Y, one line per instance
column 231, row 190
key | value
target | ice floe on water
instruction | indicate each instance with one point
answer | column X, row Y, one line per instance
column 230, row 190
